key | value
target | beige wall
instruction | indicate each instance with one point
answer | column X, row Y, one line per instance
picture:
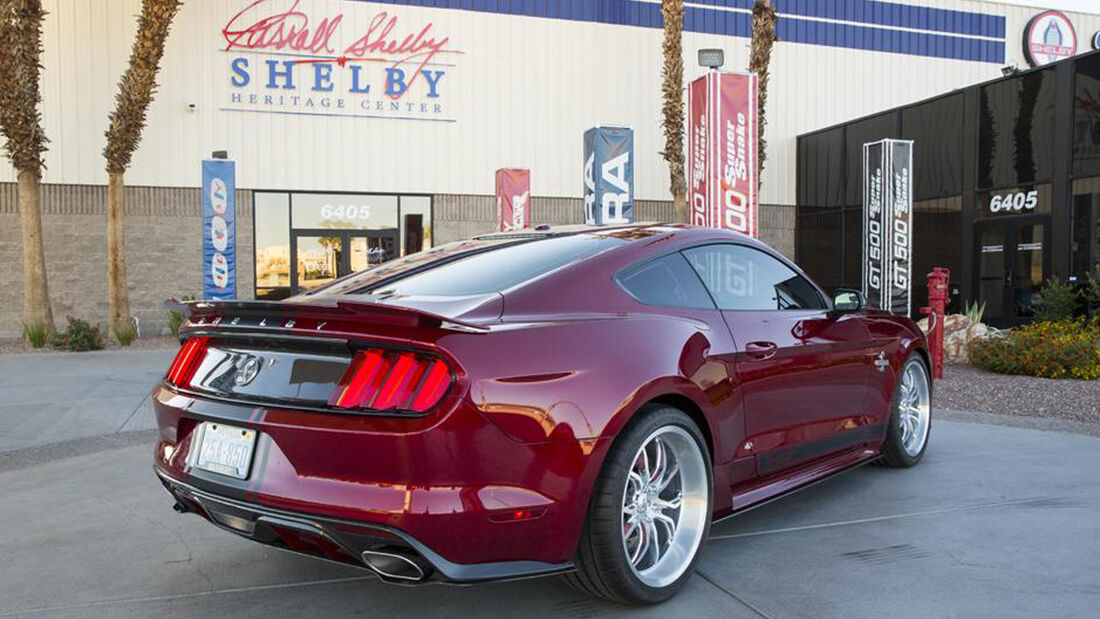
column 163, row 252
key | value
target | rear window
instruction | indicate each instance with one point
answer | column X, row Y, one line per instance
column 500, row 268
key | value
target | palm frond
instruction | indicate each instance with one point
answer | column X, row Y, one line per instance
column 20, row 50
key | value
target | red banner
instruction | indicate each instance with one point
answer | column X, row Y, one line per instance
column 513, row 199
column 721, row 160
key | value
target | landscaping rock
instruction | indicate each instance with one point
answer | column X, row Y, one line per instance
column 958, row 332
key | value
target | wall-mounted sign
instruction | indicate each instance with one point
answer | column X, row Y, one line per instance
column 513, row 191
column 888, row 224
column 1014, row 202
column 297, row 58
column 608, row 176
column 721, row 158
column 1049, row 37
column 219, row 229
column 1096, row 40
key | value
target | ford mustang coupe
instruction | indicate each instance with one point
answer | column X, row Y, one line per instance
column 582, row 401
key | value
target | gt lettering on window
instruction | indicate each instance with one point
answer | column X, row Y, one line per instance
column 744, row 278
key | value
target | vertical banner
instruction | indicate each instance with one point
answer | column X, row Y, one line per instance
column 219, row 229
column 721, row 160
column 608, row 175
column 513, row 189
column 888, row 225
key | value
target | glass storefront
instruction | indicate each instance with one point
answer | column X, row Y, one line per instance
column 999, row 196
column 306, row 239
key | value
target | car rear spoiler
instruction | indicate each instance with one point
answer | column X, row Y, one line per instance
column 219, row 311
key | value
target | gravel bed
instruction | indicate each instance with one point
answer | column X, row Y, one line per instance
column 969, row 389
column 8, row 346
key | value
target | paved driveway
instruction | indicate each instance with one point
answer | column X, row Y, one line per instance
column 996, row 522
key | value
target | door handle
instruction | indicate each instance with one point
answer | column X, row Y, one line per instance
column 761, row 350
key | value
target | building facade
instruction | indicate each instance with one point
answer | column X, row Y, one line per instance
column 361, row 130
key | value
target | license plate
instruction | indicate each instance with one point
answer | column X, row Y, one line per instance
column 224, row 449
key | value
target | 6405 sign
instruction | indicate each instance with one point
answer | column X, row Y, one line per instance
column 1014, row 202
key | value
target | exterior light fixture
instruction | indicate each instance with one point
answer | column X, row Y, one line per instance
column 711, row 58
column 1011, row 69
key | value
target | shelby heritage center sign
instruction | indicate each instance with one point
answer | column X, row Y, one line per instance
column 888, row 225
column 292, row 58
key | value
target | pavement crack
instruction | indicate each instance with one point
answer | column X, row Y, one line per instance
column 747, row 604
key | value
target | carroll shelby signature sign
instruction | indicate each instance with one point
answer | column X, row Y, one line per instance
column 294, row 57
column 888, row 224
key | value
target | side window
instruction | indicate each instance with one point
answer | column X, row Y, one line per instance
column 743, row 278
column 666, row 281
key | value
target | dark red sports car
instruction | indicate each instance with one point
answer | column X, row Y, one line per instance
column 582, row 401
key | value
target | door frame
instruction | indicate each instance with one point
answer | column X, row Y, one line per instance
column 345, row 235
column 1011, row 226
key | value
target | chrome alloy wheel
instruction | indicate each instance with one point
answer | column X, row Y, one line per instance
column 664, row 506
column 914, row 408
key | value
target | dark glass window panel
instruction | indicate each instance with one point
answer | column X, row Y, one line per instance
column 668, row 281
column 853, row 248
column 743, row 278
column 1085, row 229
column 818, row 246
column 991, row 269
column 1086, row 117
column 937, row 242
column 936, row 128
column 820, row 169
column 496, row 269
column 857, row 134
column 1016, row 130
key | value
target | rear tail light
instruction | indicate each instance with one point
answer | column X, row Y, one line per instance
column 380, row 379
column 186, row 362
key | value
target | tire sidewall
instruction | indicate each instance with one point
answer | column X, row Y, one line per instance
column 649, row 420
column 893, row 433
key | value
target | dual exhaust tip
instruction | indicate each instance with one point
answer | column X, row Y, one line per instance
column 397, row 564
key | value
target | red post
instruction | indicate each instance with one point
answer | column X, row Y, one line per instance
column 936, row 311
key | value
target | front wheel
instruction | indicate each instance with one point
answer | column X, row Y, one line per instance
column 649, row 513
column 910, row 416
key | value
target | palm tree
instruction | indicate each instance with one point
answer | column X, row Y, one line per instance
column 672, row 107
column 135, row 93
column 760, row 56
column 21, row 125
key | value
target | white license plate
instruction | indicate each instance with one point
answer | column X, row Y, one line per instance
column 224, row 449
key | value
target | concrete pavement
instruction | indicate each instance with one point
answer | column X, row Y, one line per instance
column 996, row 522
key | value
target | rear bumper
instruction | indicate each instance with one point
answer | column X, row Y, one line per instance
column 473, row 503
column 340, row 540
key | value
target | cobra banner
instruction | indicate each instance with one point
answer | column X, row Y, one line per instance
column 888, row 225
column 219, row 229
column 721, row 159
column 513, row 190
column 608, row 175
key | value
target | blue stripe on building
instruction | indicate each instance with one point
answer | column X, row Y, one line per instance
column 800, row 22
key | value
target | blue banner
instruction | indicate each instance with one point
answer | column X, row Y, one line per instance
column 608, row 175
column 219, row 229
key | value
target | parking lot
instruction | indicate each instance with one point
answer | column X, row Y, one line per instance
column 996, row 522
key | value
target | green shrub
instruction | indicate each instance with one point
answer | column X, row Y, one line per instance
column 37, row 333
column 1055, row 301
column 126, row 336
column 1056, row 349
column 79, row 335
column 1091, row 293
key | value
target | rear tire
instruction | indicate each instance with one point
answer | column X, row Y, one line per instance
column 910, row 416
column 650, row 511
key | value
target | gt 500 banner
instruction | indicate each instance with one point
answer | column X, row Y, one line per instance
column 721, row 158
column 513, row 199
column 219, row 229
column 888, row 224
column 608, row 175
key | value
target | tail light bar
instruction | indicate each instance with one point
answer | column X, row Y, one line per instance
column 186, row 362
column 380, row 379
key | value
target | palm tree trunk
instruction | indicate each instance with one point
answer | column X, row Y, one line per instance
column 118, row 297
column 760, row 57
column 673, row 105
column 36, row 295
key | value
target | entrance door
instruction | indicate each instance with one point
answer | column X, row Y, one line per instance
column 1012, row 263
column 320, row 256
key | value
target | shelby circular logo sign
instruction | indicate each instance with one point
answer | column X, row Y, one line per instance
column 1049, row 37
column 1096, row 40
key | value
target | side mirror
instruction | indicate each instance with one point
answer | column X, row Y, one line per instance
column 848, row 301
